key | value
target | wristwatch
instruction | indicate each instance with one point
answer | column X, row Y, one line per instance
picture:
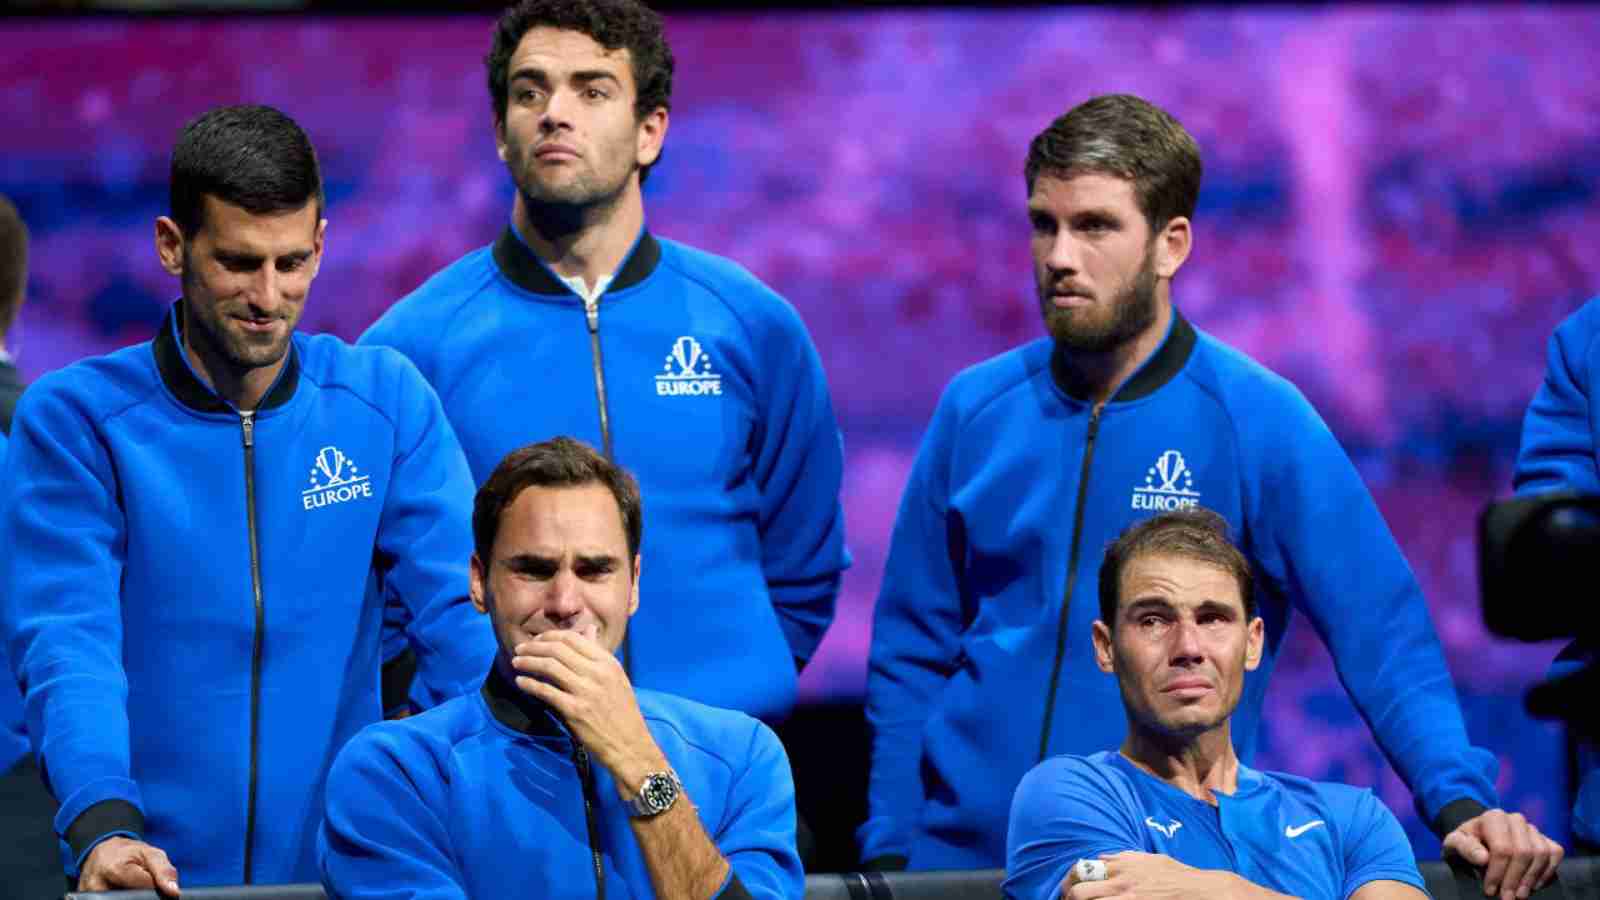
column 659, row 791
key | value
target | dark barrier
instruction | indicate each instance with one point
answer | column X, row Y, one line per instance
column 1579, row 879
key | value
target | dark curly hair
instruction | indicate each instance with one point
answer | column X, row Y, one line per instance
column 613, row 24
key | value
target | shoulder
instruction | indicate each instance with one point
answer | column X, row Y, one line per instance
column 413, row 744
column 1237, row 379
column 94, row 388
column 976, row 387
column 373, row 372
column 1093, row 778
column 760, row 308
column 709, row 733
column 436, row 300
column 1578, row 335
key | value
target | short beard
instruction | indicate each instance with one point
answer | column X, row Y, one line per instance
column 557, row 214
column 205, row 333
column 1132, row 312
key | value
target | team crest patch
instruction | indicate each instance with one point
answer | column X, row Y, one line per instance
column 334, row 479
column 1168, row 485
column 687, row 371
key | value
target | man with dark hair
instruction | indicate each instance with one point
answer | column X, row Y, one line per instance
column 559, row 772
column 1041, row 455
column 1174, row 810
column 192, row 525
column 708, row 385
column 13, row 287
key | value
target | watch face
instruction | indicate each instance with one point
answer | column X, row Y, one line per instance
column 658, row 793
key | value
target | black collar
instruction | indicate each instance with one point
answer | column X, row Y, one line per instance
column 527, row 272
column 1159, row 369
column 516, row 710
column 194, row 393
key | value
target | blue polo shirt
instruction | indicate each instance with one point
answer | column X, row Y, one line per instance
column 1315, row 840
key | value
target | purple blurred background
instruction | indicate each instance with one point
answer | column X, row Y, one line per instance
column 1395, row 214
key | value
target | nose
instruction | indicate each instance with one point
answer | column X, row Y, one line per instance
column 558, row 110
column 1062, row 257
column 266, row 288
column 1185, row 649
column 565, row 599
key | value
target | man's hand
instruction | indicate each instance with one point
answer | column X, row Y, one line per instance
column 120, row 862
column 1516, row 857
column 583, row 681
column 1155, row 876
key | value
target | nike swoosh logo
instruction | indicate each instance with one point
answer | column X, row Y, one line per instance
column 1291, row 831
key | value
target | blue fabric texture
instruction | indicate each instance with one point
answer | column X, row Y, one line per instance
column 969, row 616
column 1559, row 453
column 13, row 740
column 455, row 803
column 129, row 605
column 716, row 401
column 1303, row 838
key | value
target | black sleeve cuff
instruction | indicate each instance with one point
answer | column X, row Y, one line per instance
column 1455, row 813
column 734, row 889
column 102, row 818
column 396, row 683
column 889, row 862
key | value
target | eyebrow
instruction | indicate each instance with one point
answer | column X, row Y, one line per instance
column 582, row 76
column 1158, row 604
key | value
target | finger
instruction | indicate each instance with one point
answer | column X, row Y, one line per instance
column 1541, row 864
column 581, row 640
column 161, row 870
column 1087, row 890
column 1467, row 847
column 130, row 873
column 1517, row 851
column 1494, row 832
column 552, row 696
column 550, row 669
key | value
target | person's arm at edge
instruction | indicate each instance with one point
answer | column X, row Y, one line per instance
column 1557, row 450
column 425, row 541
column 1064, row 810
column 61, row 505
column 381, row 829
column 916, row 635
column 799, row 468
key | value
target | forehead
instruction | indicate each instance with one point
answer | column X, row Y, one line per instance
column 1087, row 190
column 1180, row 580
column 233, row 227
column 558, row 50
column 554, row 520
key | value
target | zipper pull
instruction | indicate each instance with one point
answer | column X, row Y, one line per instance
column 581, row 757
column 247, row 421
column 1094, row 419
column 591, row 311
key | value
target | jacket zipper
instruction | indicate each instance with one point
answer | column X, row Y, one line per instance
column 1072, row 576
column 247, row 425
column 591, row 312
column 580, row 757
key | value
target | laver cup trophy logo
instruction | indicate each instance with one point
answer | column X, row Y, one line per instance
column 687, row 372
column 1175, row 489
column 334, row 479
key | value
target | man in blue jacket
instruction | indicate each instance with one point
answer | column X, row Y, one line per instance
column 191, row 526
column 558, row 773
column 1559, row 453
column 1037, row 458
column 1173, row 809
column 677, row 363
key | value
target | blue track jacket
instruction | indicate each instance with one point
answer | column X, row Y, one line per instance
column 1559, row 453
column 981, row 662
column 13, row 742
column 488, row 795
column 702, row 382
column 1303, row 838
column 187, row 603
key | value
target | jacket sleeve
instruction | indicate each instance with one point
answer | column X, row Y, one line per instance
column 1320, row 540
column 916, row 636
column 63, row 531
column 1063, row 811
column 424, row 545
column 798, row 459
column 382, row 835
column 757, row 833
column 1558, row 449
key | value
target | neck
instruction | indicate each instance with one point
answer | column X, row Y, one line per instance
column 1102, row 372
column 1197, row 765
column 241, row 387
column 587, row 242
